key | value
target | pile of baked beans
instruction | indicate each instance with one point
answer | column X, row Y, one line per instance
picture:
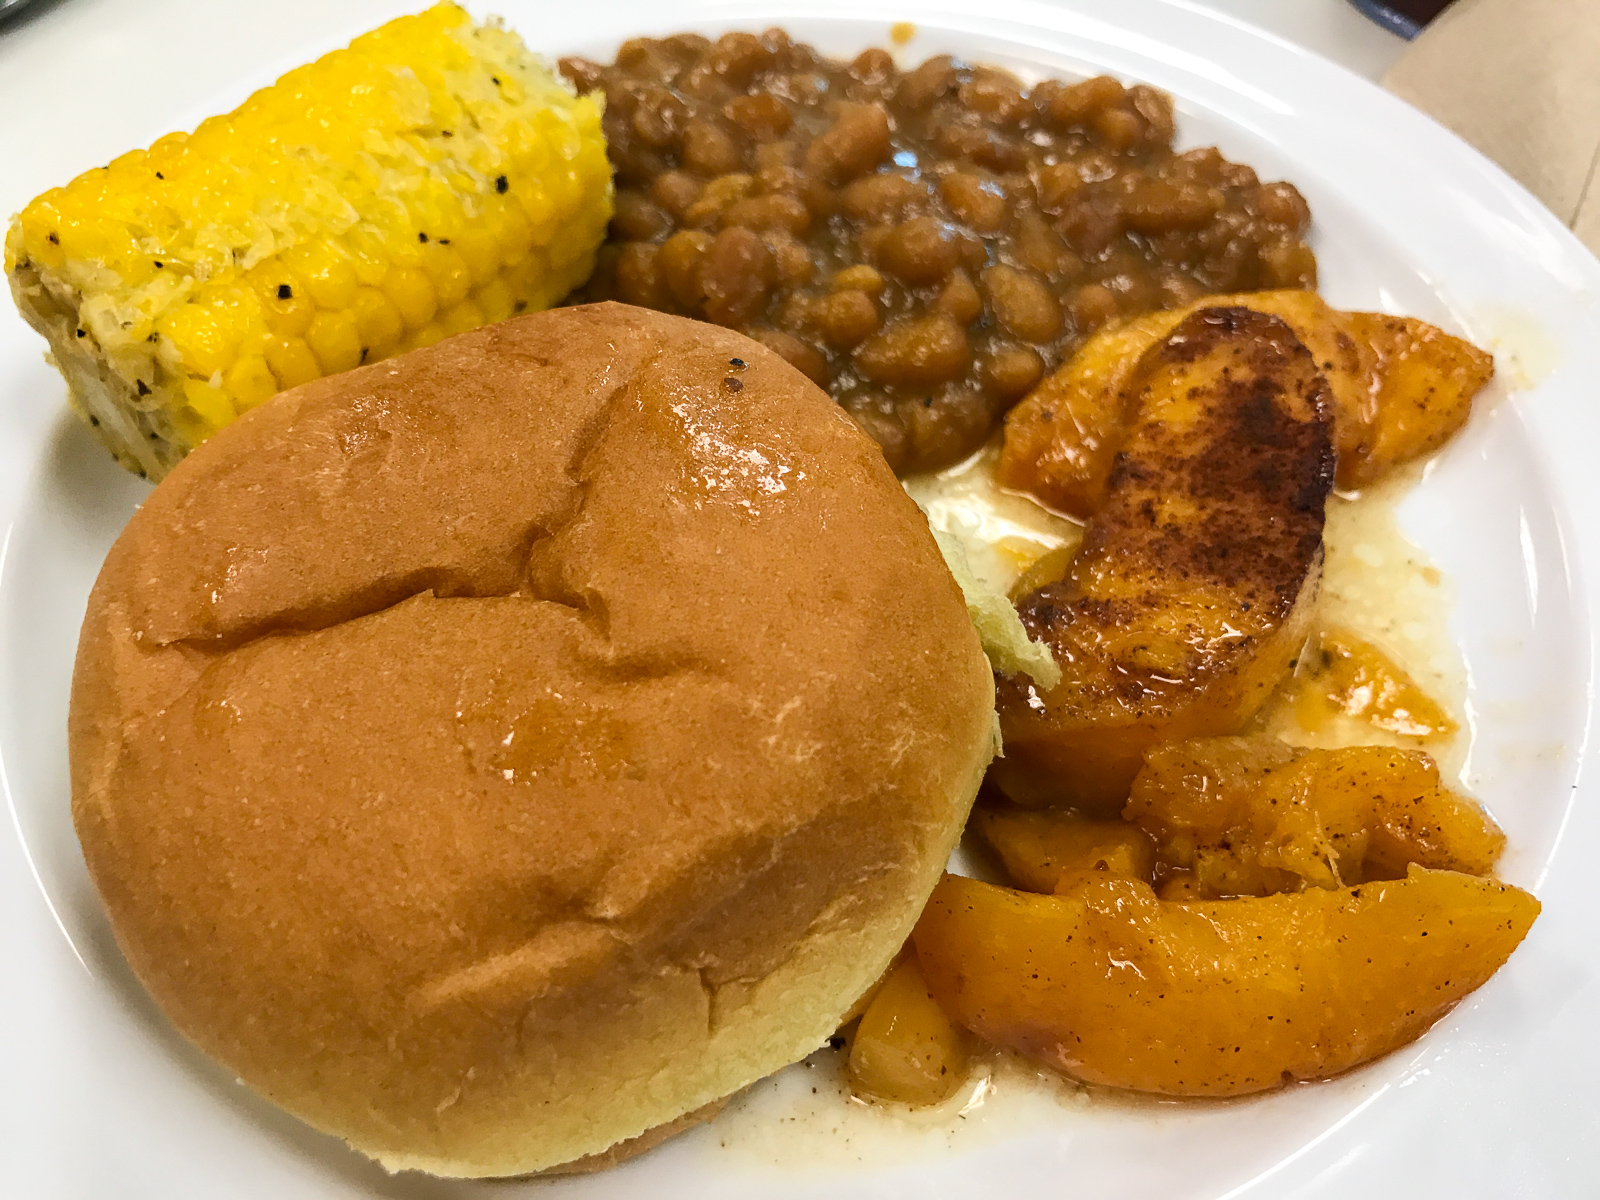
column 927, row 244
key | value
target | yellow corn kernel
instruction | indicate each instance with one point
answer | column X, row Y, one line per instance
column 285, row 300
column 204, row 342
column 249, row 381
column 209, row 405
column 462, row 317
column 496, row 300
column 430, row 333
column 292, row 362
column 329, row 277
column 334, row 340
column 378, row 322
column 451, row 279
column 413, row 295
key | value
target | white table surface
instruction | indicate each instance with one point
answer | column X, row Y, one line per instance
column 82, row 81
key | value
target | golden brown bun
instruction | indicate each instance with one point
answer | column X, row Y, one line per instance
column 500, row 751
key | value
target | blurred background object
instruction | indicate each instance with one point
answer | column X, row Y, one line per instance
column 11, row 7
column 1518, row 79
column 1405, row 17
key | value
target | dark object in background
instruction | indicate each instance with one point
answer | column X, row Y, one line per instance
column 1405, row 17
column 11, row 7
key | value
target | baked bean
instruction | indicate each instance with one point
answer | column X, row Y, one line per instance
column 777, row 211
column 1092, row 307
column 736, row 273
column 679, row 265
column 715, row 199
column 996, row 96
column 1056, row 184
column 1011, row 370
column 922, row 250
column 880, row 418
column 927, row 83
column 659, row 118
column 736, row 57
column 806, row 358
column 1078, row 104
column 882, row 197
column 976, row 201
column 709, row 151
column 637, row 219
column 861, row 277
column 915, row 352
column 960, row 299
column 1022, row 304
column 925, row 244
column 848, row 317
column 872, row 67
column 856, row 142
column 771, row 155
column 792, row 260
column 637, row 280
column 1041, row 249
column 675, row 191
column 763, row 118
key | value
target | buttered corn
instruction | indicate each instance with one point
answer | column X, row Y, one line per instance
column 430, row 177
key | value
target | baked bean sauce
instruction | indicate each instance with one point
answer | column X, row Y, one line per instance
column 925, row 244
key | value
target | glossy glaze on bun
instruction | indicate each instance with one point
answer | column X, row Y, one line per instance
column 500, row 751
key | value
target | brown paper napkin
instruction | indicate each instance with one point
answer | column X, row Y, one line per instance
column 1519, row 79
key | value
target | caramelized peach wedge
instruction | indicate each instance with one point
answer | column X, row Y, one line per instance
column 1192, row 592
column 1252, row 816
column 906, row 1049
column 1113, row 986
column 1400, row 388
column 1262, row 914
column 1343, row 675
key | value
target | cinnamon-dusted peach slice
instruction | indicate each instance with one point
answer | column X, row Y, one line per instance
column 1252, row 816
column 906, row 1049
column 1193, row 589
column 1048, row 851
column 1423, row 386
column 1112, row 986
column 1400, row 388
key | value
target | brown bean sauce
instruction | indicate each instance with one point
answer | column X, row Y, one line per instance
column 927, row 244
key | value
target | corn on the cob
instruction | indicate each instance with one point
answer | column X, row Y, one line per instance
column 428, row 178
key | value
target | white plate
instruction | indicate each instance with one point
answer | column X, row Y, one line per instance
column 100, row 1099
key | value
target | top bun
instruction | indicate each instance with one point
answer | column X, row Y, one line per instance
column 499, row 751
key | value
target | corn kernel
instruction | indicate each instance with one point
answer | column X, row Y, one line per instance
column 210, row 405
column 449, row 274
column 334, row 340
column 292, row 362
column 462, row 317
column 328, row 275
column 203, row 343
column 249, row 381
column 378, row 322
column 413, row 295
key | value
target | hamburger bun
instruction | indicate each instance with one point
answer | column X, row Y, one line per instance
column 501, row 751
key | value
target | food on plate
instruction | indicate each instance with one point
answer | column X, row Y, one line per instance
column 1111, row 985
column 496, row 753
column 906, row 1049
column 1049, row 851
column 429, row 178
column 1251, row 816
column 1399, row 389
column 1343, row 674
column 927, row 244
column 1195, row 585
